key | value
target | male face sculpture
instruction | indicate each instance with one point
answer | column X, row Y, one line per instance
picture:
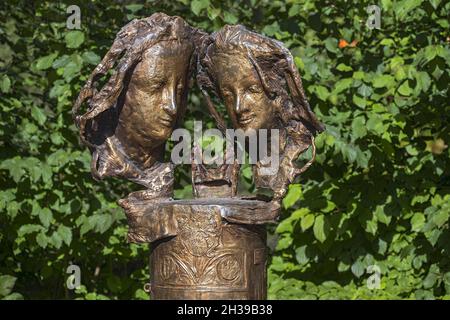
column 132, row 116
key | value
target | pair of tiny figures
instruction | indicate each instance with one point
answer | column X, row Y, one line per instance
column 154, row 59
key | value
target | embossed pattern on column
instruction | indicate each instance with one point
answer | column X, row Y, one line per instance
column 209, row 258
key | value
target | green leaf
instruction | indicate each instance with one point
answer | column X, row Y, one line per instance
column 294, row 10
column 46, row 62
column 320, row 228
column 74, row 38
column 358, row 268
column 29, row 228
column 331, row 44
column 375, row 124
column 360, row 102
column 383, row 80
column 42, row 240
column 213, row 13
column 293, row 195
column 38, row 115
column 299, row 213
column 300, row 255
column 55, row 240
column 440, row 218
column 66, row 234
column 71, row 70
column 5, row 83
column 284, row 242
column 61, row 61
column 431, row 278
column 423, row 81
column 371, row 227
column 14, row 166
column 435, row 3
column 198, row 5
column 342, row 85
column 404, row 89
column 13, row 296
column 417, row 221
column 343, row 67
column 46, row 216
column 272, row 29
column 359, row 75
column 91, row 58
column 364, row 90
column 322, row 92
column 6, row 284
column 307, row 221
column 230, row 18
column 402, row 8
column 381, row 215
column 134, row 7
column 359, row 129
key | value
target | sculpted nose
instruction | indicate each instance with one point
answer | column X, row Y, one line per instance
column 170, row 103
column 242, row 104
column 238, row 105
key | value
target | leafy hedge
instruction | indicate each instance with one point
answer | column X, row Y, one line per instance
column 377, row 196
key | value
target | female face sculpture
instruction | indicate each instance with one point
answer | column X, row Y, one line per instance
column 132, row 116
column 156, row 95
column 246, row 101
column 256, row 78
column 261, row 88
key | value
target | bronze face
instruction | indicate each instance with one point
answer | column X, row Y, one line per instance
column 246, row 101
column 155, row 98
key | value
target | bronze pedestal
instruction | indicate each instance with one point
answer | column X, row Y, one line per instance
column 209, row 258
column 206, row 248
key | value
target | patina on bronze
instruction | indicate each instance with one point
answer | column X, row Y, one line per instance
column 213, row 246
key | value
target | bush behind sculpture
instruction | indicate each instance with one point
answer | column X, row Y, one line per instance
column 376, row 202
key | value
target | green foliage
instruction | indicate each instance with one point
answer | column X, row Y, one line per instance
column 377, row 195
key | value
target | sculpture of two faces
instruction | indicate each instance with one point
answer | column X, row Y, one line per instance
column 132, row 116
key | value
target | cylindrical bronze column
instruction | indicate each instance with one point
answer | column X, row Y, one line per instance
column 209, row 258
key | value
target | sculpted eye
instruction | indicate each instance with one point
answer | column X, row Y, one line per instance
column 159, row 84
column 180, row 86
column 226, row 93
column 255, row 89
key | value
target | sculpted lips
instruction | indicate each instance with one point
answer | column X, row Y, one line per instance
column 167, row 119
column 246, row 118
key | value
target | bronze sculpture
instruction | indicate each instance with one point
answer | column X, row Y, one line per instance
column 213, row 246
